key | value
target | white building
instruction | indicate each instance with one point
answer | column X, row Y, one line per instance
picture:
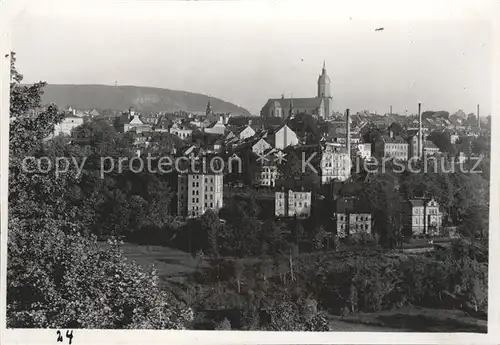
column 335, row 164
column 260, row 146
column 199, row 192
column 267, row 176
column 364, row 150
column 217, row 128
column 285, row 137
column 136, row 124
column 422, row 217
column 293, row 204
column 67, row 124
column 181, row 132
column 246, row 132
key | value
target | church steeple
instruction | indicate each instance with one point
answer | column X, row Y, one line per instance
column 209, row 108
column 324, row 83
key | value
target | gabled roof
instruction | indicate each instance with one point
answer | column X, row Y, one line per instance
column 429, row 144
column 298, row 185
column 351, row 205
column 395, row 140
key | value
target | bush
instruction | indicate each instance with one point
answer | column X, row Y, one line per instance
column 58, row 278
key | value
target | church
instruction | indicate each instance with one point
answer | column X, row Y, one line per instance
column 321, row 105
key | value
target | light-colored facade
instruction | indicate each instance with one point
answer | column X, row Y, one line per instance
column 260, row 146
column 136, row 124
column 285, row 137
column 217, row 128
column 293, row 204
column 423, row 217
column 430, row 149
column 364, row 150
column 67, row 124
column 335, row 164
column 182, row 133
column 247, row 132
column 267, row 176
column 353, row 224
column 389, row 147
column 413, row 146
column 198, row 193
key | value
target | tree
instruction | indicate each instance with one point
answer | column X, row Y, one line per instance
column 291, row 169
column 59, row 278
column 442, row 141
column 57, row 274
column 210, row 225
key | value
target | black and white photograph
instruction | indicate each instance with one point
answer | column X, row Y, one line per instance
column 268, row 166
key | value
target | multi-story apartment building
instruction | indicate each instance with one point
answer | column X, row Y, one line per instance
column 335, row 164
column 293, row 203
column 352, row 217
column 292, row 200
column 422, row 217
column 267, row 175
column 199, row 192
column 391, row 146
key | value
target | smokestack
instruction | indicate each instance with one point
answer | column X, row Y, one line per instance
column 478, row 120
column 390, row 112
column 420, row 136
column 348, row 133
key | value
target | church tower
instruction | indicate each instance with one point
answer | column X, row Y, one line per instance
column 324, row 84
column 208, row 111
column 324, row 91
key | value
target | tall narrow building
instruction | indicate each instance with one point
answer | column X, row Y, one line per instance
column 324, row 91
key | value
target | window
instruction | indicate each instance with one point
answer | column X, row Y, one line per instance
column 193, row 200
column 206, row 180
column 194, row 184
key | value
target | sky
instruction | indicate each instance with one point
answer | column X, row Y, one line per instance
column 438, row 53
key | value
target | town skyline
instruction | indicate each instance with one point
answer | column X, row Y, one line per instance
column 256, row 67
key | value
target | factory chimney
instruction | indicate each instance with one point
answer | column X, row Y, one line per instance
column 348, row 133
column 420, row 135
column 478, row 120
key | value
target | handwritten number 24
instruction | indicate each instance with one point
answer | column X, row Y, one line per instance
column 69, row 335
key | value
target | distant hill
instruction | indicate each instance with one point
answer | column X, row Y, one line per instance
column 142, row 99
